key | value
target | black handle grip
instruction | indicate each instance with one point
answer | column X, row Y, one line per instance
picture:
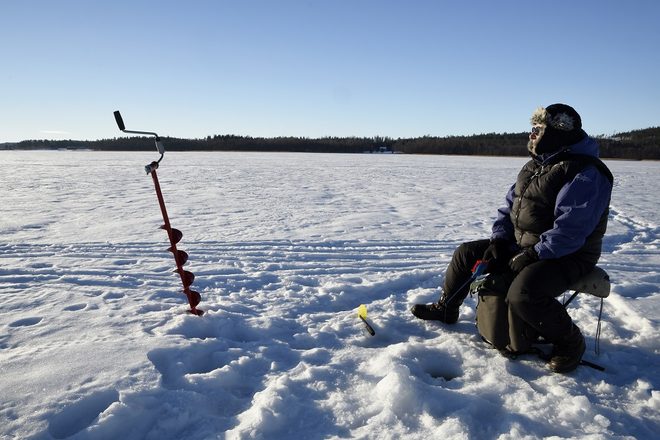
column 120, row 121
column 370, row 329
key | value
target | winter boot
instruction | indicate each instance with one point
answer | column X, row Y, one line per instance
column 439, row 311
column 567, row 354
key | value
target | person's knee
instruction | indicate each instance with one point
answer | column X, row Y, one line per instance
column 517, row 299
column 470, row 251
column 460, row 258
column 462, row 249
column 523, row 293
column 460, row 252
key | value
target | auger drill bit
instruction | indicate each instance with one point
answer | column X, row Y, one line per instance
column 174, row 235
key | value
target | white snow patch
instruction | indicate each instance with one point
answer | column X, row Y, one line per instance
column 96, row 342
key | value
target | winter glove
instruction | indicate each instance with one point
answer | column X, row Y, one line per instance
column 497, row 254
column 523, row 259
column 497, row 249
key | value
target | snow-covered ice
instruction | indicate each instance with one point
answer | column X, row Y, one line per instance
column 95, row 341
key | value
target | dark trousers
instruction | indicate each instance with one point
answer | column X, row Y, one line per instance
column 532, row 294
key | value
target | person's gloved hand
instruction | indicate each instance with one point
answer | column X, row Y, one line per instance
column 497, row 249
column 523, row 259
column 497, row 254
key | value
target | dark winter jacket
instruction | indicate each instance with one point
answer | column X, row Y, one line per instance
column 558, row 205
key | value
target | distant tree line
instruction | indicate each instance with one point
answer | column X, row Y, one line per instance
column 638, row 144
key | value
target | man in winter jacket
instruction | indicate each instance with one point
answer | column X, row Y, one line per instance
column 549, row 234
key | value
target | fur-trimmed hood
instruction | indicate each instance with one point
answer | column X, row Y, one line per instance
column 565, row 118
column 554, row 128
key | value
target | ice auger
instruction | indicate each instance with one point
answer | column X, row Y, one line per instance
column 180, row 257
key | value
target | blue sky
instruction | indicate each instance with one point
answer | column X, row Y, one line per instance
column 323, row 68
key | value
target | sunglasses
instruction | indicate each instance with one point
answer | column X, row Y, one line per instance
column 536, row 130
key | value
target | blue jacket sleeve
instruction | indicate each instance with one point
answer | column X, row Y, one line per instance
column 578, row 208
column 503, row 228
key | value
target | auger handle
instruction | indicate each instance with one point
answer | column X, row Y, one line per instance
column 120, row 121
column 159, row 145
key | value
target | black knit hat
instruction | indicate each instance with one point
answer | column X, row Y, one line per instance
column 563, row 127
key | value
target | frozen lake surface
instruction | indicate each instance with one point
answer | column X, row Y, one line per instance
column 95, row 342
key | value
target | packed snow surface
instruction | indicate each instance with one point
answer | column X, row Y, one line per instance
column 96, row 343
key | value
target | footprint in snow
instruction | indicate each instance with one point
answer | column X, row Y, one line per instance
column 79, row 415
column 26, row 322
column 75, row 307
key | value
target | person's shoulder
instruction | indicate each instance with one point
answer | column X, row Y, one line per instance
column 589, row 164
column 587, row 146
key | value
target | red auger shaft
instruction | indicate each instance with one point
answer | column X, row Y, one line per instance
column 180, row 257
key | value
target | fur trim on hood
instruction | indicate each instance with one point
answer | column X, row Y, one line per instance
column 540, row 116
column 557, row 127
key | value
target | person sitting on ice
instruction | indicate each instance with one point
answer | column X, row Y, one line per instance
column 548, row 235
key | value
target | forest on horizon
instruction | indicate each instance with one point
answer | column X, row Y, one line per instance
column 641, row 144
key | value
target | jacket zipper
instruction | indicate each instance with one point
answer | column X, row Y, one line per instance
column 536, row 174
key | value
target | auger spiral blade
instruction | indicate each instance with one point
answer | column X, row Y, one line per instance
column 181, row 257
column 174, row 233
column 187, row 278
column 194, row 298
